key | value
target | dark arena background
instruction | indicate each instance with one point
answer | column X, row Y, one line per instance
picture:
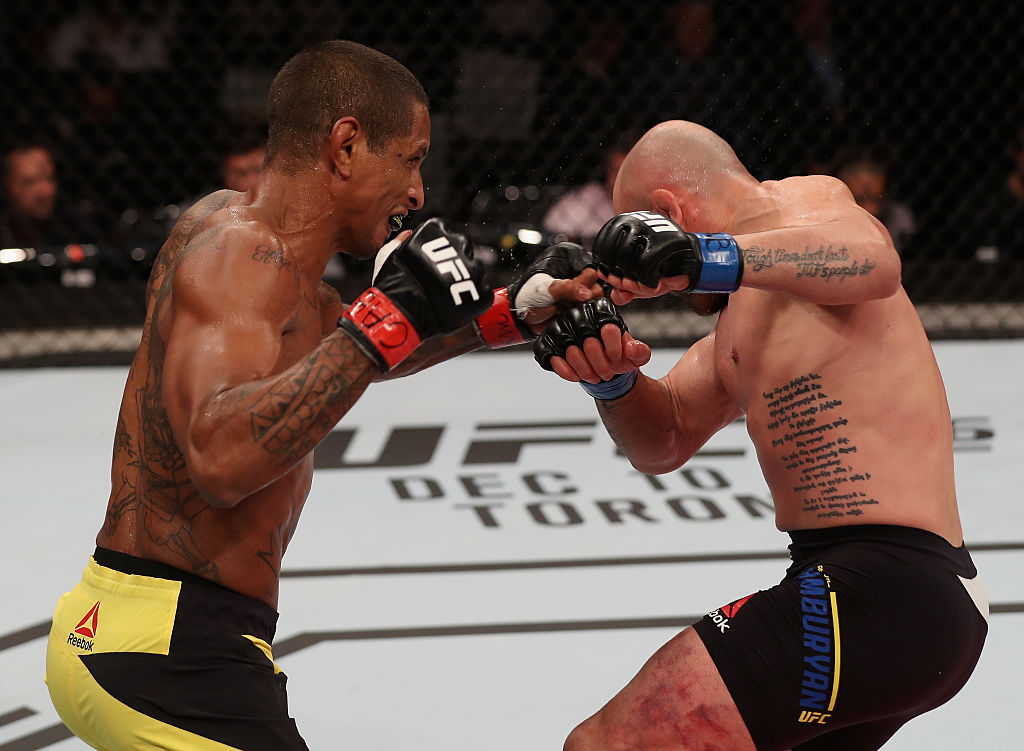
column 477, row 568
column 139, row 103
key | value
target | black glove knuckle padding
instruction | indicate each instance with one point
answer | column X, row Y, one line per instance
column 627, row 247
column 426, row 286
column 574, row 326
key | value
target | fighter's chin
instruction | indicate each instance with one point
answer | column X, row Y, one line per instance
column 706, row 304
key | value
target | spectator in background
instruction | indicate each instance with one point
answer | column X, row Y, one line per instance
column 867, row 180
column 582, row 91
column 999, row 215
column 580, row 213
column 700, row 77
column 812, row 20
column 34, row 213
column 242, row 160
column 133, row 37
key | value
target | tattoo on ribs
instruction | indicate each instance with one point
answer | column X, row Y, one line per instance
column 272, row 556
column 805, row 422
column 826, row 262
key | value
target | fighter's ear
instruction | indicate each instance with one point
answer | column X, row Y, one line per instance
column 345, row 134
column 664, row 202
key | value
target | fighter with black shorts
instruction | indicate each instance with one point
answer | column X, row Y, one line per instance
column 806, row 653
column 820, row 351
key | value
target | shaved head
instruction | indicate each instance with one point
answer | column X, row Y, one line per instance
column 679, row 156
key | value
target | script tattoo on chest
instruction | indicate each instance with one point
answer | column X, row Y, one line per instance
column 809, row 425
column 827, row 262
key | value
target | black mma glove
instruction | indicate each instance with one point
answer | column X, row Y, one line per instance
column 573, row 327
column 648, row 247
column 430, row 284
column 502, row 324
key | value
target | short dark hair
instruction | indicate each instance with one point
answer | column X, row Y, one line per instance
column 330, row 80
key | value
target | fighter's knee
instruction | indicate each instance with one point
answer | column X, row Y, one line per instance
column 595, row 734
column 578, row 740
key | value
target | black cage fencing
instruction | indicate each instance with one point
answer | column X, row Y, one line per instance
column 143, row 106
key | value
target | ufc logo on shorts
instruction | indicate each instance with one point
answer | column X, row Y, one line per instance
column 447, row 260
column 656, row 222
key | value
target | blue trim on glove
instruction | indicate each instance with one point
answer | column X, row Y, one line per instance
column 613, row 388
column 721, row 269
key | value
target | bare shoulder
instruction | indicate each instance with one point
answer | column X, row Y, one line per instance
column 232, row 262
column 809, row 189
column 195, row 216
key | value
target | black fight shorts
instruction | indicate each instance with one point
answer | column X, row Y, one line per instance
column 142, row 655
column 871, row 626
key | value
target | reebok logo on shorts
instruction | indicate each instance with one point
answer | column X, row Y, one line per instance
column 86, row 628
column 724, row 614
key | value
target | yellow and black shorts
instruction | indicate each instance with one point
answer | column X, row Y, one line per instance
column 144, row 656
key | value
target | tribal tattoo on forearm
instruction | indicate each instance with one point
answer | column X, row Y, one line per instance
column 290, row 418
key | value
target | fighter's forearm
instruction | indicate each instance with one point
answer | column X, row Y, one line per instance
column 835, row 263
column 436, row 350
column 257, row 432
column 642, row 424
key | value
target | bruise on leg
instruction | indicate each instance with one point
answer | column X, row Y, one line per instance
column 677, row 702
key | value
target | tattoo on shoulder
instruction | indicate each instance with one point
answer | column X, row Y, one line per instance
column 808, row 425
column 272, row 255
column 824, row 262
column 275, row 256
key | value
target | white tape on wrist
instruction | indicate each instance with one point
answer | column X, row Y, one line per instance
column 535, row 293
column 386, row 250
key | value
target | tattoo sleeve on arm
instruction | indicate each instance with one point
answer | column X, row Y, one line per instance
column 292, row 416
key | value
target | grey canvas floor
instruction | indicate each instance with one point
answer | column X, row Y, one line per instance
column 477, row 569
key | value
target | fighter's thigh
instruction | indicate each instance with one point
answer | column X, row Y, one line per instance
column 676, row 702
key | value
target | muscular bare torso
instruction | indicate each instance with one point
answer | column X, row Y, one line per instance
column 845, row 406
column 155, row 511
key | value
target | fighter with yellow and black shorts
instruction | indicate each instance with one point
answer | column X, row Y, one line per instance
column 142, row 655
column 871, row 626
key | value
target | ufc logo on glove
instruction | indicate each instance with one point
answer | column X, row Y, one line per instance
column 441, row 252
column 656, row 222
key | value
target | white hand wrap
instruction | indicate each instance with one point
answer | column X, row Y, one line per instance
column 535, row 293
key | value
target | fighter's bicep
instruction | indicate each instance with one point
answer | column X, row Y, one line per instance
column 227, row 329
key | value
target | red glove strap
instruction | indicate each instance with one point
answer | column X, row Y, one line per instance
column 384, row 326
column 497, row 326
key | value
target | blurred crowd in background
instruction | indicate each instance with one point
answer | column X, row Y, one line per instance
column 118, row 115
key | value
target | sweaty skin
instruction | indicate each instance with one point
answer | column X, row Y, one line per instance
column 242, row 369
column 825, row 355
column 235, row 394
column 822, row 351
